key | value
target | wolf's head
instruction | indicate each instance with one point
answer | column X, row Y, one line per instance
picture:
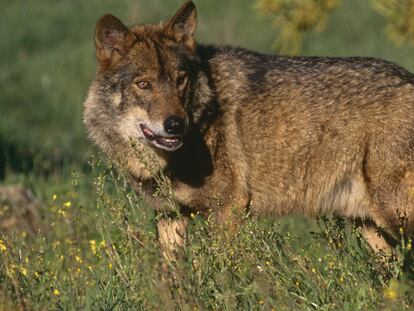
column 144, row 83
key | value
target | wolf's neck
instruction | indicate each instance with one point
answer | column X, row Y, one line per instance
column 232, row 73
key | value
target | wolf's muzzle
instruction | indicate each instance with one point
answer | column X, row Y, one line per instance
column 170, row 143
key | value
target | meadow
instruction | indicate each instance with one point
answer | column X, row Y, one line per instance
column 95, row 243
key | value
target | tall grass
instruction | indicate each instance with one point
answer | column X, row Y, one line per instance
column 106, row 257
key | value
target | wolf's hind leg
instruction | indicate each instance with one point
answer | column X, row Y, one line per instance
column 172, row 235
column 394, row 211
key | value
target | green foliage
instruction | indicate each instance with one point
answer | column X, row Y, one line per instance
column 295, row 18
column 400, row 22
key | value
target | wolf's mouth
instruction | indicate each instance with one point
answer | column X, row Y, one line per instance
column 169, row 143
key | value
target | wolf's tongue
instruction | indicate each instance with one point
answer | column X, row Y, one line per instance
column 148, row 133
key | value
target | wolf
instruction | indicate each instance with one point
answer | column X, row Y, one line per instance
column 230, row 131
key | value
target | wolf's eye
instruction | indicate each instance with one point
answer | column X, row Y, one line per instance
column 143, row 85
column 182, row 77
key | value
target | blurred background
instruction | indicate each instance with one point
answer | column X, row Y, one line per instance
column 63, row 212
column 47, row 58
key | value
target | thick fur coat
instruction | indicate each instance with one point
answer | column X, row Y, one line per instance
column 263, row 134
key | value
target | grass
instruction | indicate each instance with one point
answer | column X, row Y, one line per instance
column 116, row 263
column 97, row 247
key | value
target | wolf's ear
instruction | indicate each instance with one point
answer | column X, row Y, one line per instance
column 112, row 39
column 183, row 24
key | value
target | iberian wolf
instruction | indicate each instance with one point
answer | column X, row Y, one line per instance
column 231, row 131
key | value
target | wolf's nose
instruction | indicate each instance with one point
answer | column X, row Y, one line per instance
column 174, row 125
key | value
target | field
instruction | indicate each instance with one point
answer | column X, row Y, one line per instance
column 94, row 245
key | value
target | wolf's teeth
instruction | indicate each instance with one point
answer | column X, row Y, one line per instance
column 171, row 140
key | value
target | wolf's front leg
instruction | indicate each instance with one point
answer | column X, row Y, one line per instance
column 375, row 239
column 172, row 235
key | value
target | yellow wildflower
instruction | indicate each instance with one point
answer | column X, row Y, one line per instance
column 56, row 292
column 23, row 271
column 78, row 259
column 110, row 266
column 54, row 197
column 391, row 292
column 3, row 246
column 409, row 245
column 92, row 243
column 67, row 204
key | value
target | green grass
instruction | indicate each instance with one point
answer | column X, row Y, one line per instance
column 46, row 64
column 105, row 256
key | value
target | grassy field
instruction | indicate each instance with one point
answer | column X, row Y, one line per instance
column 96, row 248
